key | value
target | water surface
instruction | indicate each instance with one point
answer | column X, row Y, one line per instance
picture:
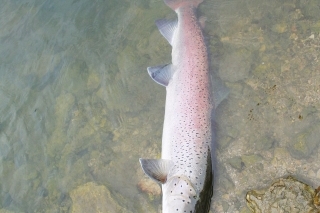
column 77, row 108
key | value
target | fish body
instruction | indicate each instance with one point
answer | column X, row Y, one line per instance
column 185, row 169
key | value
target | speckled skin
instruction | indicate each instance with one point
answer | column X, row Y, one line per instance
column 187, row 132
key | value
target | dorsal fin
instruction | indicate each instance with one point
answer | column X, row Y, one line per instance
column 156, row 169
column 202, row 21
column 161, row 74
column 220, row 91
column 167, row 28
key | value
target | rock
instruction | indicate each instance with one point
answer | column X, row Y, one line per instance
column 91, row 197
column 279, row 28
column 236, row 163
column 227, row 184
column 316, row 198
column 74, row 78
column 284, row 195
column 93, row 81
column 5, row 211
column 239, row 68
column 250, row 160
column 264, row 143
column 150, row 187
column 26, row 182
column 305, row 143
column 63, row 109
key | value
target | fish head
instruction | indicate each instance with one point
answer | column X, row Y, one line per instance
column 179, row 195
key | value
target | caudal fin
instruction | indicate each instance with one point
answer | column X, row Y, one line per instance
column 175, row 4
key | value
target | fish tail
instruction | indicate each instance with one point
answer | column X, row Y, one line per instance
column 175, row 4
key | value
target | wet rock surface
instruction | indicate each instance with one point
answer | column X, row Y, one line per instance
column 91, row 197
column 284, row 195
column 150, row 187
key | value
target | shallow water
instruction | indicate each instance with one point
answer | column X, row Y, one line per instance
column 77, row 108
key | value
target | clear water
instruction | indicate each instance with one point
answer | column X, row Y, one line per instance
column 77, row 108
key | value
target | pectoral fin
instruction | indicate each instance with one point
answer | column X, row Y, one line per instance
column 161, row 74
column 156, row 169
column 167, row 28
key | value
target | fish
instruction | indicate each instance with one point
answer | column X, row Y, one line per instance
column 186, row 168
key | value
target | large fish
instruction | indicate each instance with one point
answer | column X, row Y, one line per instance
column 186, row 169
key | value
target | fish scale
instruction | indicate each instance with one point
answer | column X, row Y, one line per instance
column 185, row 169
column 188, row 101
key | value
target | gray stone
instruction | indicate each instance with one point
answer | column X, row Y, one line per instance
column 91, row 197
column 284, row 195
